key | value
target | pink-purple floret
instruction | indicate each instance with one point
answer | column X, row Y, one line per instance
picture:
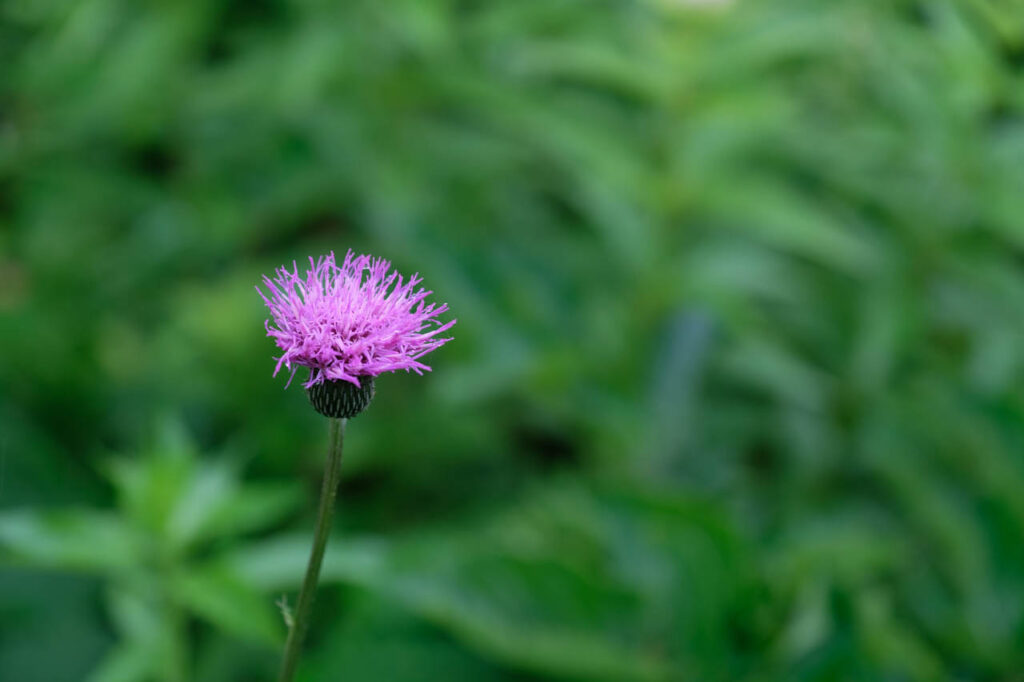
column 356, row 319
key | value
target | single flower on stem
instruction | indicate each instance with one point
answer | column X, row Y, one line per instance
column 347, row 323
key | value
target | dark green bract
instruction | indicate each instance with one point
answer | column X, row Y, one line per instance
column 342, row 399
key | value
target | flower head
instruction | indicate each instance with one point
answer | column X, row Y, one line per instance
column 352, row 320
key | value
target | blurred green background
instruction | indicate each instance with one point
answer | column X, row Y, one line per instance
column 734, row 392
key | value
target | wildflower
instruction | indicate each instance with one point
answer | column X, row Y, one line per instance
column 349, row 323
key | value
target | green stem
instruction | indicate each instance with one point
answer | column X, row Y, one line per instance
column 300, row 623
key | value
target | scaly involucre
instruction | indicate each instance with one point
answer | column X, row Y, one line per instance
column 357, row 319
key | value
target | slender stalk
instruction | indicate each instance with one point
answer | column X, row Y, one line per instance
column 300, row 623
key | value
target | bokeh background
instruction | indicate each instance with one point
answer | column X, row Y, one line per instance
column 735, row 391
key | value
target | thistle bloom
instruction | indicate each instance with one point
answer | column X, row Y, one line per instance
column 348, row 324
column 355, row 320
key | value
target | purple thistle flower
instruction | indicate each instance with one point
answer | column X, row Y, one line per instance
column 354, row 320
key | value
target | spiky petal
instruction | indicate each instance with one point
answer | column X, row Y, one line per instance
column 357, row 319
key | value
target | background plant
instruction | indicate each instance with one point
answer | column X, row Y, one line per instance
column 735, row 391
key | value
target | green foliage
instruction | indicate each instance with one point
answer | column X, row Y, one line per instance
column 154, row 553
column 734, row 390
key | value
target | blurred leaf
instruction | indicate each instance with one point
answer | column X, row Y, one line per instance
column 253, row 507
column 152, row 632
column 218, row 596
column 216, row 505
column 77, row 540
column 547, row 588
column 127, row 663
column 152, row 487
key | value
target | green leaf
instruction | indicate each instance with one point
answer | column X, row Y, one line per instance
column 126, row 663
column 205, row 492
column 552, row 587
column 253, row 507
column 74, row 540
column 220, row 596
column 279, row 563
